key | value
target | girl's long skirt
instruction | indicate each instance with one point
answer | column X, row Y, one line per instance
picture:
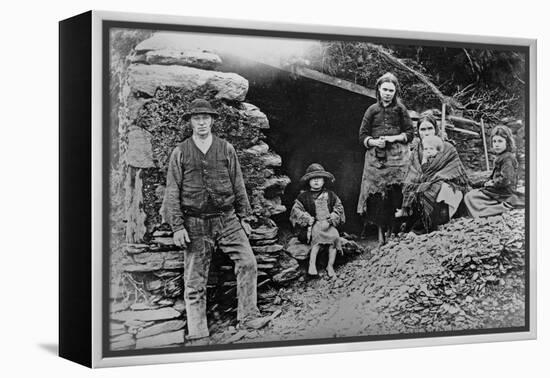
column 381, row 184
column 480, row 204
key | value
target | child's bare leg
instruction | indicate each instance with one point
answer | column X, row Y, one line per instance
column 331, row 258
column 313, row 260
column 381, row 238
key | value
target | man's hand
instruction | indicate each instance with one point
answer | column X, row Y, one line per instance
column 181, row 237
column 246, row 227
column 489, row 183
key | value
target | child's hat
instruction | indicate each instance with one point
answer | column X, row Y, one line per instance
column 316, row 170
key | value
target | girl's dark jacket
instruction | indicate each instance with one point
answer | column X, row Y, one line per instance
column 505, row 180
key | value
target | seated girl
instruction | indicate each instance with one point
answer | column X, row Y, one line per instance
column 499, row 193
column 316, row 214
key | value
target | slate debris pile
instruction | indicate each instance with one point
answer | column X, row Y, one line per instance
column 456, row 277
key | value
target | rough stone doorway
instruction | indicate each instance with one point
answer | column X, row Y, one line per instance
column 310, row 121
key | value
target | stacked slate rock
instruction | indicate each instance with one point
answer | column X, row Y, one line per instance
column 151, row 314
column 163, row 77
column 145, row 326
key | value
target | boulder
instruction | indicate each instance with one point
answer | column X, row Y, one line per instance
column 255, row 117
column 174, row 264
column 265, row 259
column 264, row 242
column 264, row 232
column 149, row 258
column 286, row 261
column 134, row 105
column 274, row 248
column 143, row 306
column 161, row 340
column 135, row 248
column 271, row 160
column 147, row 78
column 351, row 248
column 191, row 58
column 297, row 250
column 286, row 275
column 153, row 285
column 148, row 267
column 259, row 149
column 164, row 327
column 116, row 329
column 147, row 315
column 123, row 345
column 121, row 337
column 276, row 183
column 274, row 206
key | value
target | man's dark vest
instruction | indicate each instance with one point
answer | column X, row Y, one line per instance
column 206, row 184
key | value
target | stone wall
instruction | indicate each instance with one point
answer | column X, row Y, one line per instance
column 147, row 309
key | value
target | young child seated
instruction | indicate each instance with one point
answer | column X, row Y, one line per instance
column 315, row 215
column 431, row 146
column 499, row 193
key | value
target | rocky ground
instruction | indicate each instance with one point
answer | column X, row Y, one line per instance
column 467, row 275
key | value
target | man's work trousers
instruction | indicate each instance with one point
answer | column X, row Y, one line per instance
column 226, row 233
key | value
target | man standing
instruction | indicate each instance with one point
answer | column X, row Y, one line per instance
column 206, row 204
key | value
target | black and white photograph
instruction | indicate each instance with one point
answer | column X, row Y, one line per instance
column 282, row 189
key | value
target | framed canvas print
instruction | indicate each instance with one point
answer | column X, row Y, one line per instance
column 234, row 189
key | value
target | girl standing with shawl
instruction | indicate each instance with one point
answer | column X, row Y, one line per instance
column 433, row 191
column 386, row 131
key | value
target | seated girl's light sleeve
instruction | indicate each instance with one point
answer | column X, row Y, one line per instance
column 338, row 216
column 299, row 216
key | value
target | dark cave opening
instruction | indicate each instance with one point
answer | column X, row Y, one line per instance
column 310, row 121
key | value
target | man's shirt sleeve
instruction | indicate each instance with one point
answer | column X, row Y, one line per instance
column 172, row 201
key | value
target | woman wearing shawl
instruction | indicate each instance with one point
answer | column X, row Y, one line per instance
column 434, row 190
column 386, row 131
